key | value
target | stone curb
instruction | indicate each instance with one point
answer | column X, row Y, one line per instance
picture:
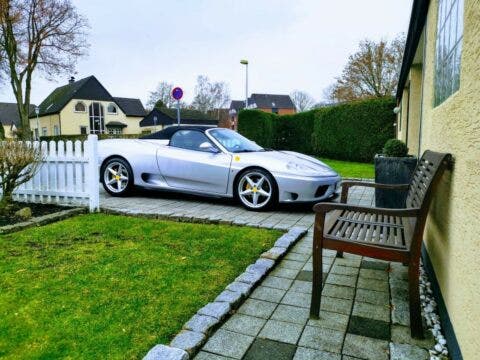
column 197, row 330
column 42, row 220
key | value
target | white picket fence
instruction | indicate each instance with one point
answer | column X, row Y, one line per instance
column 68, row 174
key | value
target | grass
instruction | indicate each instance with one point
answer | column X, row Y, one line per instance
column 348, row 169
column 105, row 286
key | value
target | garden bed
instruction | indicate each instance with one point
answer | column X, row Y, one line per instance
column 37, row 210
column 111, row 286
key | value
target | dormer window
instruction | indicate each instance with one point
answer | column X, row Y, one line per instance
column 112, row 108
column 80, row 107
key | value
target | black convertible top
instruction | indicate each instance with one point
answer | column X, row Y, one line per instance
column 168, row 132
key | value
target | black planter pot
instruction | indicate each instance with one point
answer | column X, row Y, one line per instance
column 393, row 170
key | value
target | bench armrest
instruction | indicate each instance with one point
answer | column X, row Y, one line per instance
column 346, row 185
column 325, row 207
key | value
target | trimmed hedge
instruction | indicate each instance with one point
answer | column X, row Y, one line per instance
column 354, row 131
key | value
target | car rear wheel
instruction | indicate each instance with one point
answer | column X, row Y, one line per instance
column 256, row 190
column 117, row 177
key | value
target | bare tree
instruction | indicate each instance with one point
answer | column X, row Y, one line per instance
column 19, row 162
column 48, row 35
column 371, row 72
column 210, row 95
column 302, row 100
column 161, row 96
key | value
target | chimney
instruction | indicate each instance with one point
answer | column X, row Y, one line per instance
column 71, row 80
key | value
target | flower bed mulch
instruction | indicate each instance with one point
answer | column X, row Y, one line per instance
column 37, row 210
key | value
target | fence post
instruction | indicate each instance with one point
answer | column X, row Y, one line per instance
column 93, row 177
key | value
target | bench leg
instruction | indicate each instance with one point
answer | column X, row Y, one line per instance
column 317, row 278
column 416, row 326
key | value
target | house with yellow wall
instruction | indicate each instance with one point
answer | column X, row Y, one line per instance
column 439, row 109
column 86, row 107
column 10, row 118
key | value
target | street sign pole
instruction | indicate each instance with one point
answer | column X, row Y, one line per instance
column 177, row 94
column 178, row 112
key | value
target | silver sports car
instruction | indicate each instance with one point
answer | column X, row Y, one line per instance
column 215, row 162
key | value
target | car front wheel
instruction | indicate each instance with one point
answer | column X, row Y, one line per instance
column 256, row 190
column 117, row 177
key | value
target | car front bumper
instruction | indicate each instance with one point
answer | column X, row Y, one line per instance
column 293, row 189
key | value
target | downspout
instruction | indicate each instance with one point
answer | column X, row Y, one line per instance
column 423, row 82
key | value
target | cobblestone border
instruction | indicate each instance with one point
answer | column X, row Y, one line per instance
column 196, row 331
column 42, row 220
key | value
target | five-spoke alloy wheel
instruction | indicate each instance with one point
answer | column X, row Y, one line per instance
column 117, row 176
column 256, row 189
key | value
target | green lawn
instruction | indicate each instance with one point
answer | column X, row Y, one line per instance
column 348, row 169
column 106, row 286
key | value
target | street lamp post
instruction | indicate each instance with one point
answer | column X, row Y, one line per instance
column 37, row 135
column 232, row 114
column 245, row 62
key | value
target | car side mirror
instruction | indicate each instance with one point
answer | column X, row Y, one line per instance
column 208, row 147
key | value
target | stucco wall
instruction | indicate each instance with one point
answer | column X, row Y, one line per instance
column 45, row 121
column 453, row 230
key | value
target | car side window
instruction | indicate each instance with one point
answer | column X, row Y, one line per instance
column 191, row 140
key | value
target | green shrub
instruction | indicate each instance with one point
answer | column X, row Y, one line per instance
column 257, row 126
column 395, row 148
column 294, row 132
column 353, row 131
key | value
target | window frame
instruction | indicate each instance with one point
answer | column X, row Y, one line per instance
column 114, row 106
column 78, row 111
column 190, row 149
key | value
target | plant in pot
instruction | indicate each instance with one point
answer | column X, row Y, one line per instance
column 393, row 166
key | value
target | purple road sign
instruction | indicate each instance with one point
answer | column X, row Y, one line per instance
column 177, row 93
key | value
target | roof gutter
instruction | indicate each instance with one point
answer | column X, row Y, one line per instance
column 417, row 23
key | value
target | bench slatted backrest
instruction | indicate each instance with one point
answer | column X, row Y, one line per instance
column 429, row 168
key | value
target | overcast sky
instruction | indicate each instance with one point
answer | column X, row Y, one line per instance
column 290, row 44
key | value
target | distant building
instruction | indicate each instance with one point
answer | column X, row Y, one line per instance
column 158, row 119
column 276, row 104
column 10, row 118
column 86, row 107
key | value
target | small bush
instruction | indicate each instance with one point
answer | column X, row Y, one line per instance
column 395, row 148
column 294, row 132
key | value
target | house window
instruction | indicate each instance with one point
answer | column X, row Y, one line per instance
column 111, row 109
column 115, row 131
column 44, row 131
column 80, row 107
column 56, row 130
column 274, row 110
column 448, row 49
column 83, row 130
column 97, row 124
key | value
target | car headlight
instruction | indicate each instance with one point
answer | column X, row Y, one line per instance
column 299, row 167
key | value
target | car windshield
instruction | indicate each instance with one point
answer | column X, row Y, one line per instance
column 233, row 141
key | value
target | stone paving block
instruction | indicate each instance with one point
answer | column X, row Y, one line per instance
column 277, row 282
column 228, row 343
column 244, row 324
column 188, row 340
column 201, row 323
column 268, row 294
column 402, row 335
column 281, row 331
column 374, row 265
column 399, row 271
column 217, row 310
column 304, row 275
column 336, row 291
column 369, row 328
column 163, row 352
column 240, row 287
column 372, row 284
column 202, row 355
column 365, row 348
column 400, row 313
column 330, row 320
column 296, row 299
column 322, row 339
column 285, row 240
column 296, row 256
column 264, row 263
column 312, row 354
column 344, row 270
column 291, row 314
column 290, row 264
column 372, row 297
column 309, row 267
column 342, row 306
column 406, row 351
column 250, row 277
column 343, row 280
column 302, row 286
column 264, row 349
column 284, row 273
column 370, row 311
column 258, row 308
column 374, row 274
column 231, row 297
column 348, row 262
column 274, row 253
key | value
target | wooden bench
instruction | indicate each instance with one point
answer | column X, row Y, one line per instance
column 386, row 234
